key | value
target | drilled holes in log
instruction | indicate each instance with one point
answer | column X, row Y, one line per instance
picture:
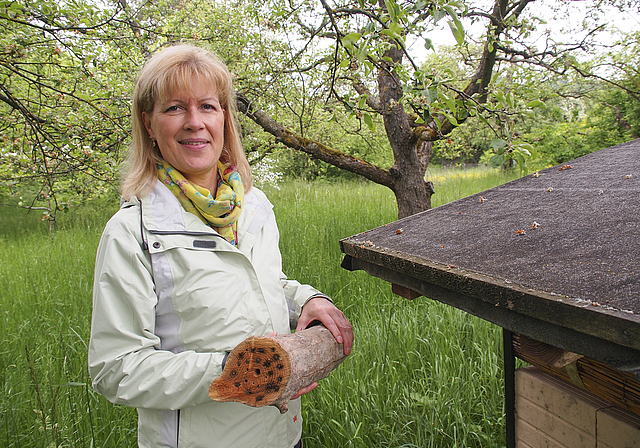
column 258, row 385
column 277, row 367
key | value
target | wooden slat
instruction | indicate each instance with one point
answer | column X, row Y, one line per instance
column 404, row 292
column 617, row 387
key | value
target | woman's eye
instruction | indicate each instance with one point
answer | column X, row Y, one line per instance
column 209, row 107
column 172, row 109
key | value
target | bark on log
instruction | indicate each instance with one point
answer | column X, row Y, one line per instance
column 263, row 371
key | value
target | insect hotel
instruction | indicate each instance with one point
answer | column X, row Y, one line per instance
column 554, row 259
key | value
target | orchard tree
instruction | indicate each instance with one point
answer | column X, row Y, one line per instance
column 622, row 82
column 339, row 81
column 589, row 104
column 357, row 54
column 67, row 70
column 63, row 102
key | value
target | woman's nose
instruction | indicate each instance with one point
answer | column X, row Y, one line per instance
column 193, row 120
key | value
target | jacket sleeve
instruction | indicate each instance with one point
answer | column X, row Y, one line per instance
column 125, row 362
column 297, row 295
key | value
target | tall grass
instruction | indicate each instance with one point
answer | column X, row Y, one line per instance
column 453, row 183
column 45, row 291
column 421, row 374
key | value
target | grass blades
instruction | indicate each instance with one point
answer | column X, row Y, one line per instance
column 459, row 182
column 421, row 375
column 45, row 291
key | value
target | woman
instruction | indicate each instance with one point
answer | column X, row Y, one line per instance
column 190, row 267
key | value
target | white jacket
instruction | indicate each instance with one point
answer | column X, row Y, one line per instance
column 171, row 297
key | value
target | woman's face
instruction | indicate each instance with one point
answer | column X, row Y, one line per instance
column 189, row 131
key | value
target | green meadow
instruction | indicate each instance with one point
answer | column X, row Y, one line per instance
column 421, row 374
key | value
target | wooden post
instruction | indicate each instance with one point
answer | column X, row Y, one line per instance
column 509, row 387
column 263, row 371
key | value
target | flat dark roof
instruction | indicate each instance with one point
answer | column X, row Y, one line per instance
column 561, row 247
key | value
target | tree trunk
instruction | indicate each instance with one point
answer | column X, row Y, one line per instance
column 263, row 371
column 412, row 194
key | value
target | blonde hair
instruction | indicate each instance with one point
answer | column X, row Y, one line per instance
column 175, row 68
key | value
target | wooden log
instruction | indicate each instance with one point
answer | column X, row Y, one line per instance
column 263, row 371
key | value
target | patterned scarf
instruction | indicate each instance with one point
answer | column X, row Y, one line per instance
column 220, row 213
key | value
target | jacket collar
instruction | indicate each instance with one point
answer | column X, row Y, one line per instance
column 162, row 212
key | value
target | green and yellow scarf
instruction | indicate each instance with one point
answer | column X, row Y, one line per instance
column 221, row 212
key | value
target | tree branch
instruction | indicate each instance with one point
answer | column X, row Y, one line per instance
column 14, row 103
column 315, row 149
column 372, row 100
column 135, row 27
column 619, row 118
column 477, row 87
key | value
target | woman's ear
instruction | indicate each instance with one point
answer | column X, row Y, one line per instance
column 146, row 119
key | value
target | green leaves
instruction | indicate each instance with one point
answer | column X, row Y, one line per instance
column 394, row 10
column 66, row 72
column 507, row 150
column 535, row 103
column 499, row 145
column 368, row 120
column 361, row 51
column 455, row 25
column 394, row 31
column 428, row 44
column 508, row 111
column 351, row 39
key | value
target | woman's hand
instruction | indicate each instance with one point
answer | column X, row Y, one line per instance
column 333, row 319
column 305, row 390
column 323, row 310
